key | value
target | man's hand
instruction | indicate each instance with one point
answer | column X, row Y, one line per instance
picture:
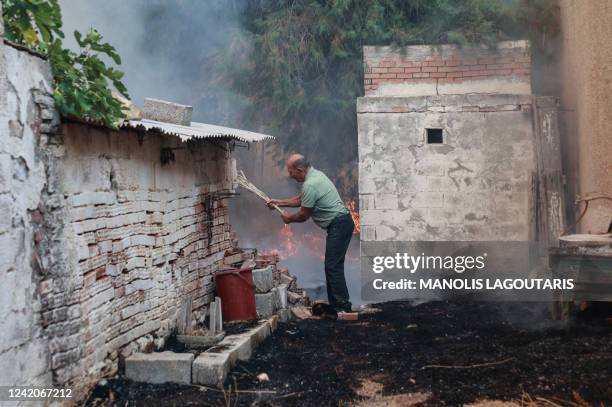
column 272, row 203
column 286, row 217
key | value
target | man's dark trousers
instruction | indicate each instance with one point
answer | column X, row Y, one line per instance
column 339, row 233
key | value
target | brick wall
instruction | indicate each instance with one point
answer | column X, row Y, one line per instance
column 140, row 239
column 101, row 243
column 425, row 70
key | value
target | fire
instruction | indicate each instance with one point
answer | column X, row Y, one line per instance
column 287, row 243
column 288, row 248
column 352, row 207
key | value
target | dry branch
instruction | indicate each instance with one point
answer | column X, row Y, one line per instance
column 246, row 184
column 467, row 367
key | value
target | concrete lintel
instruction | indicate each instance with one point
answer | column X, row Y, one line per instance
column 422, row 51
column 424, row 104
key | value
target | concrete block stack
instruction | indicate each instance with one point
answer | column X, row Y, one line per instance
column 296, row 296
column 266, row 295
column 284, row 293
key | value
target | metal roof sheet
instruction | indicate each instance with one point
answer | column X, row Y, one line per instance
column 196, row 130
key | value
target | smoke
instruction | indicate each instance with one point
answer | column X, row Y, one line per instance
column 169, row 50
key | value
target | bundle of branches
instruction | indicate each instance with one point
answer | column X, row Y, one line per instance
column 246, row 184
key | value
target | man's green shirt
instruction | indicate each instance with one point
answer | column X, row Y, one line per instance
column 320, row 194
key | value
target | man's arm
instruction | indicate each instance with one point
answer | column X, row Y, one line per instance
column 300, row 216
column 292, row 202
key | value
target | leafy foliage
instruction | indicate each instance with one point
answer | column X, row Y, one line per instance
column 33, row 23
column 541, row 21
column 81, row 79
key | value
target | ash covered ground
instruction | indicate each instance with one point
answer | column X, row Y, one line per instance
column 432, row 354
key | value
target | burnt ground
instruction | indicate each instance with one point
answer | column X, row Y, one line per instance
column 430, row 355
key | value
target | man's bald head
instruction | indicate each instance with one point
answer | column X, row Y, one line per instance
column 297, row 165
column 293, row 158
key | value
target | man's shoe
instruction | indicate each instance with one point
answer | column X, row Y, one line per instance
column 324, row 311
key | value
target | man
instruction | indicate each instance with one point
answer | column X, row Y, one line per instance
column 320, row 200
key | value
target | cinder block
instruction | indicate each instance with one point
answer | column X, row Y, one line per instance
column 273, row 321
column 284, row 315
column 265, row 304
column 366, row 201
column 385, row 233
column 423, row 200
column 211, row 368
column 368, row 233
column 262, row 278
column 430, row 167
column 282, row 295
column 385, row 202
column 276, row 301
column 159, row 367
column 239, row 347
column 260, row 333
column 293, row 297
column 287, row 279
column 366, row 184
column 163, row 111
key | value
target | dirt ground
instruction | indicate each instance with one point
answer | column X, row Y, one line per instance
column 434, row 354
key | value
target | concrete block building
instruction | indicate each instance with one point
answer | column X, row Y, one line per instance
column 449, row 140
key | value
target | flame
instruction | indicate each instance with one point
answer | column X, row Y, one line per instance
column 287, row 248
column 287, row 242
column 289, row 245
column 352, row 207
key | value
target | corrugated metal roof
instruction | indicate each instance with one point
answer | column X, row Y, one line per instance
column 196, row 130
